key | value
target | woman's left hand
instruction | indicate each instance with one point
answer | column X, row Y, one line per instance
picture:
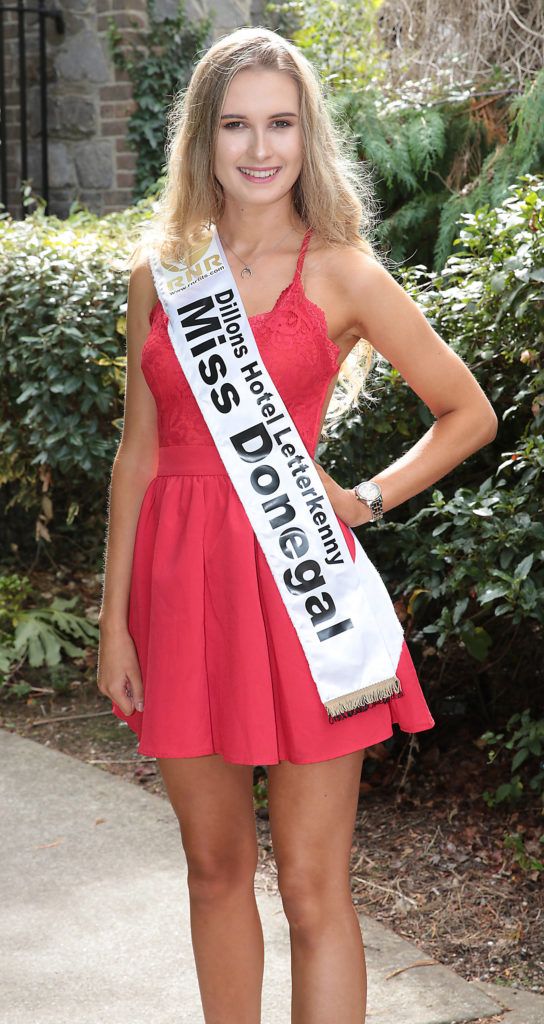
column 344, row 502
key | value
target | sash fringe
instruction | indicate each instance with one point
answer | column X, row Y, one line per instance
column 362, row 700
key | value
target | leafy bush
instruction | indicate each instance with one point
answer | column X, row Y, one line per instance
column 330, row 34
column 436, row 161
column 38, row 635
column 474, row 563
column 468, row 560
column 522, row 743
column 62, row 368
column 527, row 862
column 526, row 742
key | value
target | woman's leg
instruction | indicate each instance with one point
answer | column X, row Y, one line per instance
column 213, row 801
column 312, row 810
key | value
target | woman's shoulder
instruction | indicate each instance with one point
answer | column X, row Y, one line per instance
column 141, row 289
column 343, row 264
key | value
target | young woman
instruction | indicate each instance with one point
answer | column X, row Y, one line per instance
column 197, row 651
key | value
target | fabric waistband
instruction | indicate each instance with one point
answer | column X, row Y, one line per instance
column 190, row 460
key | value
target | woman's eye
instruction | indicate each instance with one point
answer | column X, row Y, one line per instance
column 230, row 124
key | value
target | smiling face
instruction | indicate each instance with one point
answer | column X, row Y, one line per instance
column 259, row 132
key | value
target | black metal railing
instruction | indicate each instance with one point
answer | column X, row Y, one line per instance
column 20, row 41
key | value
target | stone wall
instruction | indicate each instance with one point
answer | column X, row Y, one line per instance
column 89, row 99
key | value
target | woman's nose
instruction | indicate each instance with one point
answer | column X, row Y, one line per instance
column 259, row 145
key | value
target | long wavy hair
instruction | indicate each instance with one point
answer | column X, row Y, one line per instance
column 333, row 194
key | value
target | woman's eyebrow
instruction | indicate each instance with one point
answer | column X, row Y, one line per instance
column 284, row 114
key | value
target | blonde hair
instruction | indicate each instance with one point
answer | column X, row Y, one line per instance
column 333, row 193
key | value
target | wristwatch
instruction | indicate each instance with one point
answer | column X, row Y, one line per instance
column 370, row 493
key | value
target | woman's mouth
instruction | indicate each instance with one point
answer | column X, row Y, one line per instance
column 259, row 177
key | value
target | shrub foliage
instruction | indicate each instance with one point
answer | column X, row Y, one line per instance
column 468, row 558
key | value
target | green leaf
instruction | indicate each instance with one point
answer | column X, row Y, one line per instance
column 477, row 642
column 519, row 758
column 492, row 593
column 524, row 567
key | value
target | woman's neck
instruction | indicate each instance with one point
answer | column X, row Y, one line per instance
column 251, row 234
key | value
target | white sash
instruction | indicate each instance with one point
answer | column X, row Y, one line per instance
column 340, row 608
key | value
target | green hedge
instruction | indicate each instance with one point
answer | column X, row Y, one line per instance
column 464, row 560
column 62, row 368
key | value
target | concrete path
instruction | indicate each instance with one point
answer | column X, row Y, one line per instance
column 95, row 916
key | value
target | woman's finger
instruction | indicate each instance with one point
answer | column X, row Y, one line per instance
column 135, row 689
column 123, row 697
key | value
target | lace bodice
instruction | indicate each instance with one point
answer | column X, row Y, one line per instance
column 292, row 339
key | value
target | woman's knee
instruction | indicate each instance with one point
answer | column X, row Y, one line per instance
column 215, row 876
column 217, row 827
column 310, row 898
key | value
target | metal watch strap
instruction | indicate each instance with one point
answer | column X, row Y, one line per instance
column 374, row 504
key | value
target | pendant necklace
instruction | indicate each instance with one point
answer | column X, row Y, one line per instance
column 246, row 271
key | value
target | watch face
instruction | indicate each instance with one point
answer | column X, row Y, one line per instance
column 369, row 490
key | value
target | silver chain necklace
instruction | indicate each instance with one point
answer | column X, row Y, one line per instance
column 246, row 271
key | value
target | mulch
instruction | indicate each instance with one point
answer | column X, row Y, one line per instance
column 429, row 861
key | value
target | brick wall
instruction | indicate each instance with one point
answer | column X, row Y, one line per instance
column 89, row 100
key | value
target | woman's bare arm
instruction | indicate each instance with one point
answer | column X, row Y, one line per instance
column 384, row 314
column 136, row 460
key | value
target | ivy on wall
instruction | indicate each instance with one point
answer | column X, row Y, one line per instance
column 159, row 63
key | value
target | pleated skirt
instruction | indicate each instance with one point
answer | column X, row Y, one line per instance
column 221, row 663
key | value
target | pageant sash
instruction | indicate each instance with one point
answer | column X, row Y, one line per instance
column 339, row 607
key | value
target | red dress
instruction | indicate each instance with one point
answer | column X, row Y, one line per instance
column 222, row 666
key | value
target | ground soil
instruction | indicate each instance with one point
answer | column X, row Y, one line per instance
column 430, row 859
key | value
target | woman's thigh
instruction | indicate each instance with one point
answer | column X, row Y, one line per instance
column 213, row 802
column 312, row 810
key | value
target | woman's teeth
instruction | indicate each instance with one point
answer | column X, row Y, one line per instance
column 258, row 175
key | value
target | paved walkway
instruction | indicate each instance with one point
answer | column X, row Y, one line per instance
column 95, row 916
